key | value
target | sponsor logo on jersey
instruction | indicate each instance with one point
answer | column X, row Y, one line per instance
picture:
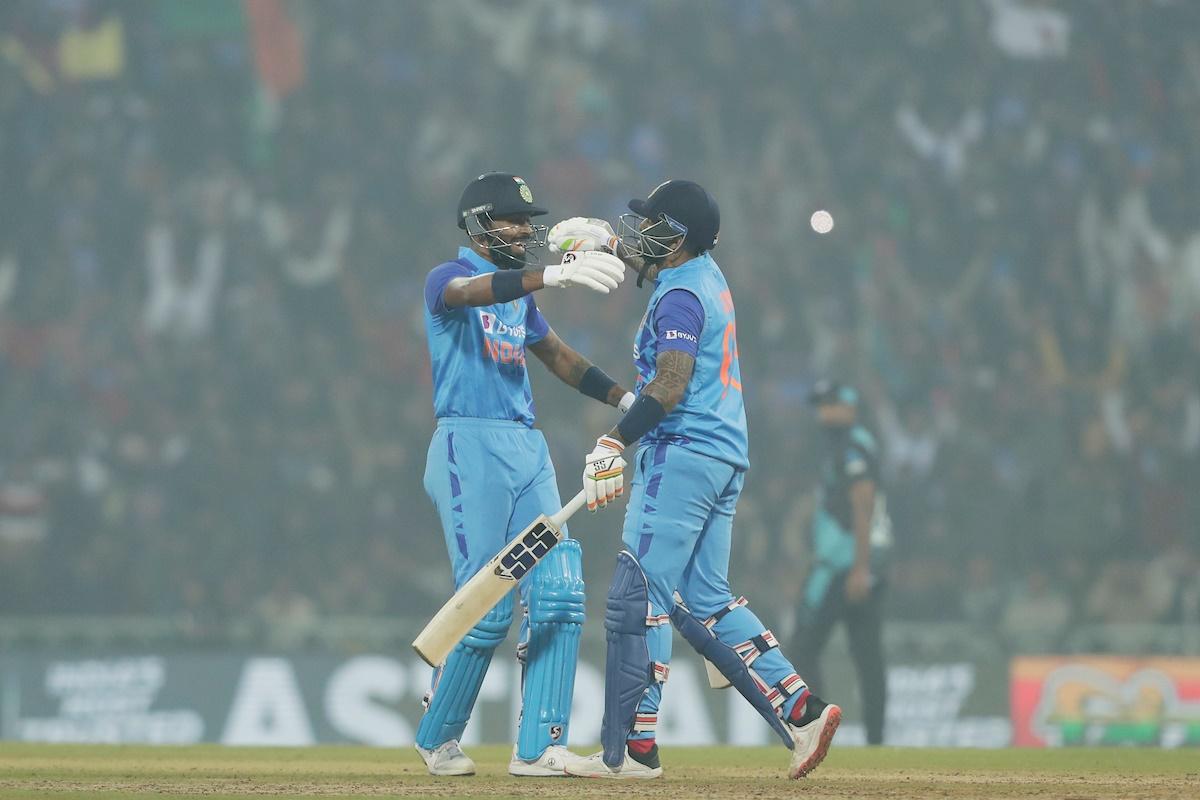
column 497, row 327
column 674, row 334
column 502, row 351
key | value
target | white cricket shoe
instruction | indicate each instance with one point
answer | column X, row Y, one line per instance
column 551, row 763
column 447, row 759
column 813, row 737
column 594, row 767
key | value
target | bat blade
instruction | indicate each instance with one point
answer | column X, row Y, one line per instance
column 716, row 679
column 484, row 590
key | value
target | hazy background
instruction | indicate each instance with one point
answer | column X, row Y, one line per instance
column 216, row 218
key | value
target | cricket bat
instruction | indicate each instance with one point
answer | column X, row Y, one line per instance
column 716, row 679
column 488, row 586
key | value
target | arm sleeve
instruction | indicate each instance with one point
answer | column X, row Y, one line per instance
column 536, row 326
column 435, row 285
column 678, row 321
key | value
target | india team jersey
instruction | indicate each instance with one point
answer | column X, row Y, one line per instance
column 711, row 417
column 478, row 354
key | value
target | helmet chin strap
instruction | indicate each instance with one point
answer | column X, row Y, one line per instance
column 636, row 261
column 649, row 262
column 643, row 268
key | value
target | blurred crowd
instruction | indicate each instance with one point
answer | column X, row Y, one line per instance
column 215, row 220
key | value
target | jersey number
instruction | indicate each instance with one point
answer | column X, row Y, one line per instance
column 729, row 360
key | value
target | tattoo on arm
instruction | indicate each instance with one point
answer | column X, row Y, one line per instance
column 572, row 373
column 547, row 350
column 674, row 371
column 560, row 359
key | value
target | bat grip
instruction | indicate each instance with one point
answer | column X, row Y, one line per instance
column 558, row 518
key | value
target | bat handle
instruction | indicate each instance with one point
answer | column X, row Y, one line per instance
column 574, row 504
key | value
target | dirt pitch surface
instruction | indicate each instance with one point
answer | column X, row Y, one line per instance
column 57, row 772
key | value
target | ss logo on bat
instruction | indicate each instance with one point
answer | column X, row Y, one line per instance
column 525, row 553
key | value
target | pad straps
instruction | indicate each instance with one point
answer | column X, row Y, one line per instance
column 712, row 621
column 755, row 646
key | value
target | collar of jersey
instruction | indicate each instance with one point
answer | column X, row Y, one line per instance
column 668, row 276
column 477, row 261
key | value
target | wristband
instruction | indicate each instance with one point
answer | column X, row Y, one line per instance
column 643, row 415
column 596, row 384
column 508, row 284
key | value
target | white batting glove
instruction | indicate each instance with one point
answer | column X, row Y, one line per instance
column 581, row 233
column 626, row 402
column 600, row 272
column 604, row 473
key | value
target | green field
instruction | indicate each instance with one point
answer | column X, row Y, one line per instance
column 68, row 771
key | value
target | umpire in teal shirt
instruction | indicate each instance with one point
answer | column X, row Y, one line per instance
column 851, row 538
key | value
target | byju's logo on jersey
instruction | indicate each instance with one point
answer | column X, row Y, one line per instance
column 674, row 334
column 502, row 351
column 497, row 327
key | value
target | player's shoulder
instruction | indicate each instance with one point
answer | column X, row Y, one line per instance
column 863, row 438
column 438, row 279
column 685, row 296
column 455, row 267
column 861, row 454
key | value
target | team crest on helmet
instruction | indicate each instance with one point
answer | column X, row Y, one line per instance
column 523, row 188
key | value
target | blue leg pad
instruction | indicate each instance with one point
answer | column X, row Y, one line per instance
column 456, row 685
column 555, row 604
column 627, row 668
column 730, row 664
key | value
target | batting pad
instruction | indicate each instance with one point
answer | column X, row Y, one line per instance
column 458, row 683
column 627, row 668
column 555, row 603
column 730, row 664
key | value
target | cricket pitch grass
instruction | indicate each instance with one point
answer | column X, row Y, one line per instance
column 57, row 772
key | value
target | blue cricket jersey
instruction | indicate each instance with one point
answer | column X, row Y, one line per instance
column 711, row 417
column 478, row 354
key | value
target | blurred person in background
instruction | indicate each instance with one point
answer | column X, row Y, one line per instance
column 851, row 539
column 489, row 471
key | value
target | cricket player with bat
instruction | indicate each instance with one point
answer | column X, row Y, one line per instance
column 488, row 470
column 691, row 463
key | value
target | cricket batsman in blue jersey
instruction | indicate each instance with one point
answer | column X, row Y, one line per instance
column 691, row 463
column 488, row 470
